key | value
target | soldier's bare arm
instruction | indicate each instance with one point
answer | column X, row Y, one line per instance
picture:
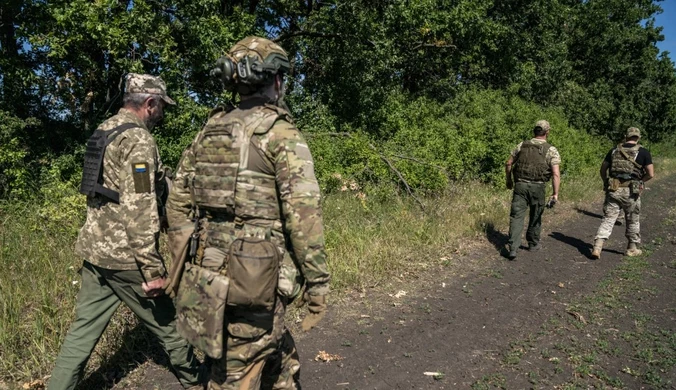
column 556, row 181
column 649, row 173
column 508, row 172
column 301, row 209
column 138, row 204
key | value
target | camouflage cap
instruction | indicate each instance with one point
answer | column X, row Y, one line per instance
column 543, row 124
column 263, row 49
column 145, row 83
column 633, row 132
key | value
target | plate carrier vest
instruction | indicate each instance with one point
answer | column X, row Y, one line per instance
column 92, row 173
column 531, row 162
column 623, row 166
column 223, row 184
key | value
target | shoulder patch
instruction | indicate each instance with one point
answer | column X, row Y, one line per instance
column 141, row 175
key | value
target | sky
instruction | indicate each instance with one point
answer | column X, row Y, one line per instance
column 667, row 19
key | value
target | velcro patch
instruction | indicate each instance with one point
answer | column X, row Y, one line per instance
column 141, row 176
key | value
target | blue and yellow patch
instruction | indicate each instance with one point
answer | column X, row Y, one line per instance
column 139, row 171
column 140, row 168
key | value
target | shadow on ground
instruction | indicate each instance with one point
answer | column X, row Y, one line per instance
column 497, row 238
column 138, row 346
column 588, row 213
column 583, row 247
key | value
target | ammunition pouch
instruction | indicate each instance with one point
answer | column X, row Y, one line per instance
column 615, row 184
column 200, row 309
column 635, row 188
column 253, row 268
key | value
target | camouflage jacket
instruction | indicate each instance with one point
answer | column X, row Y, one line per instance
column 125, row 236
column 301, row 229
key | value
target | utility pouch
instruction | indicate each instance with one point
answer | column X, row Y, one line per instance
column 200, row 309
column 253, row 268
column 635, row 188
column 614, row 185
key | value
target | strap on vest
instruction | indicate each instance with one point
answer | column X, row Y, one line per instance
column 114, row 196
column 625, row 155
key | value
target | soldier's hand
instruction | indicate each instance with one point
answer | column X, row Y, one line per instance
column 510, row 184
column 317, row 309
column 154, row 288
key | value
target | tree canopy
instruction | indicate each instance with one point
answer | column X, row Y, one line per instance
column 354, row 64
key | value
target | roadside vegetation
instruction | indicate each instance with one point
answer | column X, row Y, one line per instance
column 410, row 109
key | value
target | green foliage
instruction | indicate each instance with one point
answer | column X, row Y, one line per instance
column 436, row 90
column 434, row 143
column 14, row 173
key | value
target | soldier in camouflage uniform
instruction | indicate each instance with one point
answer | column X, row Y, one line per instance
column 119, row 241
column 250, row 173
column 535, row 162
column 630, row 165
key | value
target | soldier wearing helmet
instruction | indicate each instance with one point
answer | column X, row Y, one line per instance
column 248, row 178
column 629, row 166
column 532, row 163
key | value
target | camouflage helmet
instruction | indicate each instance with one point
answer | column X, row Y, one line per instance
column 250, row 64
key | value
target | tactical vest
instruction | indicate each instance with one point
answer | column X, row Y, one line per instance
column 625, row 167
column 92, row 173
column 531, row 162
column 223, row 184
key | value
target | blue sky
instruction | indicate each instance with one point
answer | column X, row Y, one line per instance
column 667, row 19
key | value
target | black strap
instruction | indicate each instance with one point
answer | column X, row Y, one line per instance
column 114, row 196
column 112, row 134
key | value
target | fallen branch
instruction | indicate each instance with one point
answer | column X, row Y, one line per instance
column 386, row 160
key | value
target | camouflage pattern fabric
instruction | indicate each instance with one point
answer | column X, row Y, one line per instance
column 283, row 154
column 631, row 205
column 277, row 197
column 124, row 236
column 202, row 325
column 260, row 351
column 623, row 167
column 145, row 83
column 552, row 156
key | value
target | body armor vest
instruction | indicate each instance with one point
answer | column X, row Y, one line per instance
column 531, row 162
column 92, row 173
column 623, row 164
column 224, row 185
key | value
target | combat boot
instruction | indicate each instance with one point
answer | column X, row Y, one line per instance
column 598, row 247
column 632, row 250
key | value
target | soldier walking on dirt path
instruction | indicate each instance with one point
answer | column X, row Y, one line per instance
column 532, row 164
column 624, row 171
column 247, row 184
column 119, row 240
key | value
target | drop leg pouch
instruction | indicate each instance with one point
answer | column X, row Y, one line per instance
column 200, row 309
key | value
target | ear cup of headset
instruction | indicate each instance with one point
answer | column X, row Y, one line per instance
column 225, row 70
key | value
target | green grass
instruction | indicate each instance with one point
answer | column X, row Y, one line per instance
column 383, row 238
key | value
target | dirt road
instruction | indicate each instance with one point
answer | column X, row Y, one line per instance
column 553, row 319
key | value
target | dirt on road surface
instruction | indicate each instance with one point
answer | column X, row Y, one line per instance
column 553, row 319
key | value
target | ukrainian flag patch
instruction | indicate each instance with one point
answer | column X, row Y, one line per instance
column 141, row 176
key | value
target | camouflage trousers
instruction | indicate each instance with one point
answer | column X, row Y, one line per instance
column 631, row 205
column 259, row 353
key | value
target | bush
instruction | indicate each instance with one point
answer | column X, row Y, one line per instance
column 431, row 143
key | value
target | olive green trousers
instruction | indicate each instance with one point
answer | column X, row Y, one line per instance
column 528, row 197
column 101, row 293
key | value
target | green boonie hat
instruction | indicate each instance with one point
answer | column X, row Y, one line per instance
column 543, row 124
column 633, row 132
column 145, row 83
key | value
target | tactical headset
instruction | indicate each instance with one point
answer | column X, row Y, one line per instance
column 249, row 71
